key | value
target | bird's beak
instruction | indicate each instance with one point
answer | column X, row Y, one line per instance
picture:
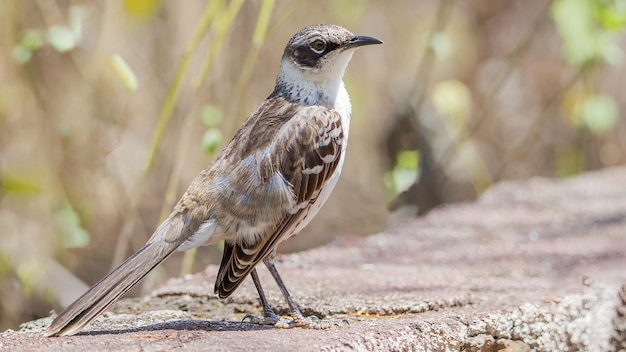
column 361, row 40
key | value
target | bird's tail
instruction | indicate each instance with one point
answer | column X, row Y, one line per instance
column 110, row 288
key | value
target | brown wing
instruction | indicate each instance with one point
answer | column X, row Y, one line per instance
column 306, row 154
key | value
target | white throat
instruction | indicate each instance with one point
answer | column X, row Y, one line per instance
column 318, row 86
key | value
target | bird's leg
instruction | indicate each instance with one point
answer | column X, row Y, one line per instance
column 269, row 317
column 298, row 319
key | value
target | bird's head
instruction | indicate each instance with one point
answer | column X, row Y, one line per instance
column 321, row 52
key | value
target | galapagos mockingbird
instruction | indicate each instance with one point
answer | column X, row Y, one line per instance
column 264, row 187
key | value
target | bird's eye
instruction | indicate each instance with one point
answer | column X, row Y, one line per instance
column 318, row 46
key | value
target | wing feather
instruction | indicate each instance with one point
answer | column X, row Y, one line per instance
column 305, row 151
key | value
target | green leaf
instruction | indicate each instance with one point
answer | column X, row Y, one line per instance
column 141, row 8
column 76, row 15
column 587, row 28
column 399, row 179
column 407, row 159
column 29, row 274
column 32, row 40
column 452, row 99
column 21, row 54
column 441, row 45
column 211, row 140
column 62, row 38
column 404, row 173
column 68, row 227
column 211, row 116
column 20, row 183
column 569, row 162
column 575, row 23
column 129, row 79
column 612, row 14
column 6, row 267
column 599, row 113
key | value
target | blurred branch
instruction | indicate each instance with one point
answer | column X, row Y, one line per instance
column 263, row 28
column 511, row 61
column 538, row 125
column 223, row 26
column 162, row 123
column 408, row 118
column 181, row 150
column 435, row 172
column 258, row 38
column 425, row 68
column 174, row 90
column 281, row 18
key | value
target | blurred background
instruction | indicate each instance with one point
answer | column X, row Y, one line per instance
column 108, row 110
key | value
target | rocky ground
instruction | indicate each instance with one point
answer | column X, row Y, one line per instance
column 533, row 265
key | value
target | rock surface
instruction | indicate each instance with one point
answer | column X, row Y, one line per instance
column 533, row 265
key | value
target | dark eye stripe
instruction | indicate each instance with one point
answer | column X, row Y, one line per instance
column 305, row 56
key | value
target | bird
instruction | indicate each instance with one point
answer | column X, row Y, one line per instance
column 265, row 186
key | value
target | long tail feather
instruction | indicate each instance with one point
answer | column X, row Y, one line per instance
column 110, row 288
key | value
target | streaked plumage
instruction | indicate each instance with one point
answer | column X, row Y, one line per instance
column 264, row 187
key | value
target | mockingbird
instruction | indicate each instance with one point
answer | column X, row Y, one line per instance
column 264, row 187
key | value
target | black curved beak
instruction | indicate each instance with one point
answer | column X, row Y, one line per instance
column 360, row 40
